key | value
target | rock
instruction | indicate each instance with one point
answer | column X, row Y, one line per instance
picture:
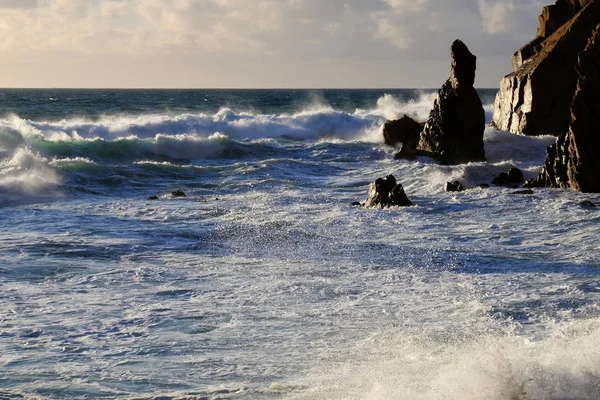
column 573, row 162
column 483, row 186
column 455, row 186
column 387, row 193
column 404, row 130
column 153, row 198
column 515, row 175
column 178, row 193
column 407, row 152
column 527, row 191
column 453, row 134
column 535, row 98
column 501, row 179
column 356, row 204
column 587, row 203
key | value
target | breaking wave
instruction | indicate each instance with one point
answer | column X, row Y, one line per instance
column 35, row 154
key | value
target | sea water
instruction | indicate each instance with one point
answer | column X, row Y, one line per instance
column 264, row 282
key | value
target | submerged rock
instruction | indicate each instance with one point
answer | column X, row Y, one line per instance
column 453, row 134
column 526, row 191
column 153, row 197
column 535, row 98
column 455, row 186
column 387, row 193
column 573, row 161
column 178, row 193
column 587, row 203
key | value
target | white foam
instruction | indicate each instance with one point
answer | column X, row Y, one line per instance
column 503, row 366
column 317, row 121
column 24, row 172
column 184, row 147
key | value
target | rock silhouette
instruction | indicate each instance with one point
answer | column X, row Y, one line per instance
column 573, row 161
column 387, row 193
column 453, row 134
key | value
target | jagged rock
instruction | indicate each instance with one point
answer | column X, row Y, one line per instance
column 453, row 134
column 535, row 98
column 178, row 193
column 455, row 186
column 404, row 130
column 573, row 161
column 387, row 193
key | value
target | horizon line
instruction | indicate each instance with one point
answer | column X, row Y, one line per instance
column 232, row 88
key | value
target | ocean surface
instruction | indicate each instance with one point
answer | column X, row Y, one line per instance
column 264, row 282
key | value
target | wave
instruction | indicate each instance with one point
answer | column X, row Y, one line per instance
column 501, row 366
column 316, row 122
column 35, row 154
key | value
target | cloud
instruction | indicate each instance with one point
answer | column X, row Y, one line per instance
column 395, row 33
column 250, row 38
column 497, row 17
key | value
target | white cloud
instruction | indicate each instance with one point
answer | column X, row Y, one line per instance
column 497, row 16
column 395, row 33
column 403, row 6
column 254, row 38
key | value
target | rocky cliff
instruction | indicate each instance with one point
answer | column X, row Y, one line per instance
column 573, row 161
column 535, row 98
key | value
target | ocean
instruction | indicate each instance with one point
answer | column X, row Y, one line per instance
column 264, row 282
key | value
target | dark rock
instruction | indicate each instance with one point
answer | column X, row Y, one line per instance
column 587, row 203
column 178, row 193
column 404, row 130
column 535, row 98
column 483, row 186
column 356, row 204
column 527, row 191
column 387, row 193
column 407, row 152
column 153, row 198
column 453, row 134
column 501, row 179
column 573, row 161
column 455, row 186
column 515, row 175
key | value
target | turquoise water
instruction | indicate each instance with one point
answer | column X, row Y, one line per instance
column 264, row 282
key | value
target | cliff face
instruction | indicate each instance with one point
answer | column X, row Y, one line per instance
column 535, row 98
column 573, row 161
column 453, row 134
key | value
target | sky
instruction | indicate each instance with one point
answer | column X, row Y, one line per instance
column 256, row 43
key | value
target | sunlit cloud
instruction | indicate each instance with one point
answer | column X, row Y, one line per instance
column 278, row 34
